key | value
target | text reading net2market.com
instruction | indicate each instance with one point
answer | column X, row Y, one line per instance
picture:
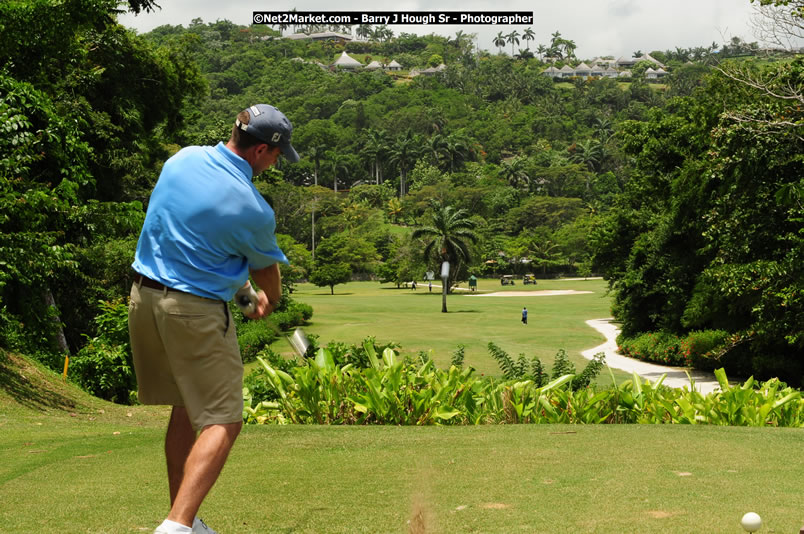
column 392, row 17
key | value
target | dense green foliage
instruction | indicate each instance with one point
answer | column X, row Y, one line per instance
column 709, row 232
column 393, row 391
column 86, row 108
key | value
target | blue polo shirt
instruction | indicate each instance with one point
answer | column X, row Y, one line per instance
column 206, row 225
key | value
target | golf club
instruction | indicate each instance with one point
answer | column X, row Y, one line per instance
column 246, row 300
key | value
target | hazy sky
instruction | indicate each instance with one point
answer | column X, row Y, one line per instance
column 598, row 27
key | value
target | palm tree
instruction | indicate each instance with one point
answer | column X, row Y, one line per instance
column 528, row 36
column 514, row 172
column 403, row 153
column 375, row 147
column 555, row 40
column 460, row 37
column 339, row 165
column 315, row 153
column 604, row 129
column 546, row 253
column 437, row 147
column 499, row 41
column 364, row 31
column 512, row 38
column 458, row 150
column 589, row 152
column 448, row 236
column 569, row 47
column 541, row 49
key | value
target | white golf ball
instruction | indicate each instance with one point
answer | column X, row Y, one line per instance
column 751, row 522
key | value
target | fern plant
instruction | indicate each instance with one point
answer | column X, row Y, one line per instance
column 458, row 356
column 507, row 365
column 562, row 366
column 521, row 369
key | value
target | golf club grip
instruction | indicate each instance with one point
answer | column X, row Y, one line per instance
column 246, row 299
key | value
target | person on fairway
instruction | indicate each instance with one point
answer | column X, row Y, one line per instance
column 524, row 316
column 205, row 230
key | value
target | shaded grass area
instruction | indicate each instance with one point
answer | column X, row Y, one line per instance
column 81, row 477
column 414, row 320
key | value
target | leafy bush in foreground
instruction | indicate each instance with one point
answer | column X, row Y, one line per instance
column 392, row 391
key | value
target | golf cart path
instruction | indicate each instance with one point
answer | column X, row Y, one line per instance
column 676, row 376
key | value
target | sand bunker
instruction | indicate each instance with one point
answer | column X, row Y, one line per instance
column 541, row 293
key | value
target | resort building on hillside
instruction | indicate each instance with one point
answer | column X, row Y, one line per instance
column 323, row 36
column 347, row 62
column 429, row 72
column 607, row 68
column 651, row 74
column 627, row 63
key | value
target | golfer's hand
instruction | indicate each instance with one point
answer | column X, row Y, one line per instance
column 263, row 307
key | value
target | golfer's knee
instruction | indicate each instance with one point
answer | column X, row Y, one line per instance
column 231, row 430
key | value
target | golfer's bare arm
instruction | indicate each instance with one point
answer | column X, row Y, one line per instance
column 270, row 281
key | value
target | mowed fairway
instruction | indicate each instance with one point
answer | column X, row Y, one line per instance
column 414, row 319
column 71, row 474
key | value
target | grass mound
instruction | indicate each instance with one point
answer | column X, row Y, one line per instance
column 26, row 385
column 29, row 389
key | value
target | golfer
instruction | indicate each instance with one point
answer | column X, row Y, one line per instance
column 524, row 316
column 206, row 229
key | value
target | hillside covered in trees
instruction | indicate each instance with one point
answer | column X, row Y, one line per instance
column 685, row 194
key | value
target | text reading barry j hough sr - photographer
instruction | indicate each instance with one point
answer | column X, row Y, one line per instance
column 393, row 17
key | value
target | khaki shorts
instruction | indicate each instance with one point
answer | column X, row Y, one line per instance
column 186, row 354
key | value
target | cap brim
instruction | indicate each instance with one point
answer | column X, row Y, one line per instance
column 290, row 153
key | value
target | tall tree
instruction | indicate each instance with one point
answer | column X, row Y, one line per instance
column 528, row 36
column 364, row 31
column 375, row 148
column 513, row 39
column 447, row 238
column 499, row 41
column 403, row 153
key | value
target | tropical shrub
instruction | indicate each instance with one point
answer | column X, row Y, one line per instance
column 253, row 337
column 104, row 366
column 706, row 347
column 702, row 349
column 659, row 347
column 357, row 355
column 292, row 314
column 394, row 391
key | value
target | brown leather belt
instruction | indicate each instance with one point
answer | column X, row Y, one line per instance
column 153, row 284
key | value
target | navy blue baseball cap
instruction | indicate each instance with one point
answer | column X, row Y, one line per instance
column 270, row 126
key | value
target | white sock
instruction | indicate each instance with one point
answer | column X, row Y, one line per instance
column 171, row 526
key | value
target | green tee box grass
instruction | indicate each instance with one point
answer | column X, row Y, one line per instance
column 67, row 474
column 415, row 321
